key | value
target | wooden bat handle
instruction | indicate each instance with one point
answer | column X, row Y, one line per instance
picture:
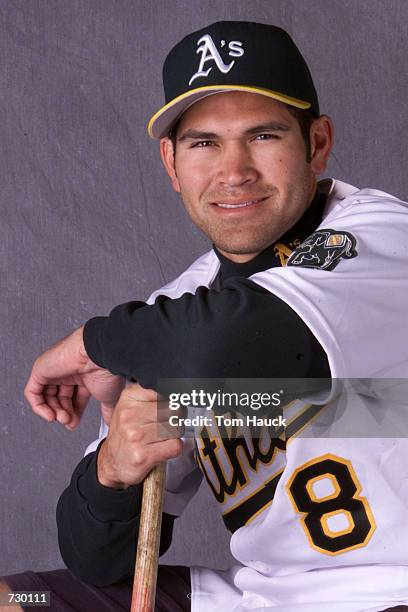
column 144, row 583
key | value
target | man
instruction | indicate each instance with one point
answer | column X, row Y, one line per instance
column 297, row 285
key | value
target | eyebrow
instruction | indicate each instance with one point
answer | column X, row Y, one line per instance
column 273, row 126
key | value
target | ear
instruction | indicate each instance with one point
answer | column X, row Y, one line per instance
column 321, row 143
column 167, row 156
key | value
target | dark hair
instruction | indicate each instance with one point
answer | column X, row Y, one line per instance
column 305, row 118
column 173, row 135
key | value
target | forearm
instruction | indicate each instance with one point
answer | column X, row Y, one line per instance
column 240, row 331
column 98, row 527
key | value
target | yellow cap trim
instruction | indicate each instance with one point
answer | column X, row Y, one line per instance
column 259, row 90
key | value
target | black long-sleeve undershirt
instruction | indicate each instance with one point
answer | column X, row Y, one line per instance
column 242, row 331
column 237, row 330
column 98, row 526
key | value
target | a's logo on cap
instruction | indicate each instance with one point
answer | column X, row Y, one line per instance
column 209, row 52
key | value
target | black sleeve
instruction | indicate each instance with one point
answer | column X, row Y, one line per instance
column 241, row 331
column 98, row 527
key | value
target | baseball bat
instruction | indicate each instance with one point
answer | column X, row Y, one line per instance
column 145, row 578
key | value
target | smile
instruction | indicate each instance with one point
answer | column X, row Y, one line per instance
column 239, row 204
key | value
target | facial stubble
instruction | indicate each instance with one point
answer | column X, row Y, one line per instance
column 241, row 236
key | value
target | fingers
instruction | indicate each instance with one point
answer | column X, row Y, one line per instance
column 142, row 461
column 34, row 394
column 49, row 401
column 67, row 403
column 129, row 463
column 56, row 403
column 64, row 403
column 153, row 433
column 161, row 451
column 57, row 375
column 140, row 436
column 41, row 409
column 80, row 399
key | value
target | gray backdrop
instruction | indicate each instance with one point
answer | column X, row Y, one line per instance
column 88, row 218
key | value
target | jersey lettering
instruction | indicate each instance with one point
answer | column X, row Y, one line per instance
column 228, row 460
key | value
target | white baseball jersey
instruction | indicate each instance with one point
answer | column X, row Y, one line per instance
column 320, row 515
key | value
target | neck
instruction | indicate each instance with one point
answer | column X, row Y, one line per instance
column 239, row 257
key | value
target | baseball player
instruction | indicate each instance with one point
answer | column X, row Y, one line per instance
column 305, row 280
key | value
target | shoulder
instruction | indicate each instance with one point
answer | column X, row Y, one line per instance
column 200, row 273
column 344, row 200
column 366, row 222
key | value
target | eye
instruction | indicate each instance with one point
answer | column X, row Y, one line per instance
column 202, row 144
column 267, row 137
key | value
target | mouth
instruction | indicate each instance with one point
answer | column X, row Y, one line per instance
column 233, row 205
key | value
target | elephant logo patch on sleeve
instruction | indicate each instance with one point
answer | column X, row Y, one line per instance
column 324, row 249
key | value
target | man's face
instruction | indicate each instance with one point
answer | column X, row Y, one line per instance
column 241, row 169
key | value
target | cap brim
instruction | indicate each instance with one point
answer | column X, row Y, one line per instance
column 161, row 123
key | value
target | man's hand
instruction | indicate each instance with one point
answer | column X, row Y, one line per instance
column 139, row 438
column 64, row 378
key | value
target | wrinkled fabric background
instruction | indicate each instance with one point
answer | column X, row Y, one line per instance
column 89, row 220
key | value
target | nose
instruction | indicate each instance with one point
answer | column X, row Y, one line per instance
column 236, row 166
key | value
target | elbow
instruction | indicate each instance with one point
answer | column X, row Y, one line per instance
column 97, row 570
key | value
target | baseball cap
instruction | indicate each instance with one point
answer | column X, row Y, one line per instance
column 233, row 56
